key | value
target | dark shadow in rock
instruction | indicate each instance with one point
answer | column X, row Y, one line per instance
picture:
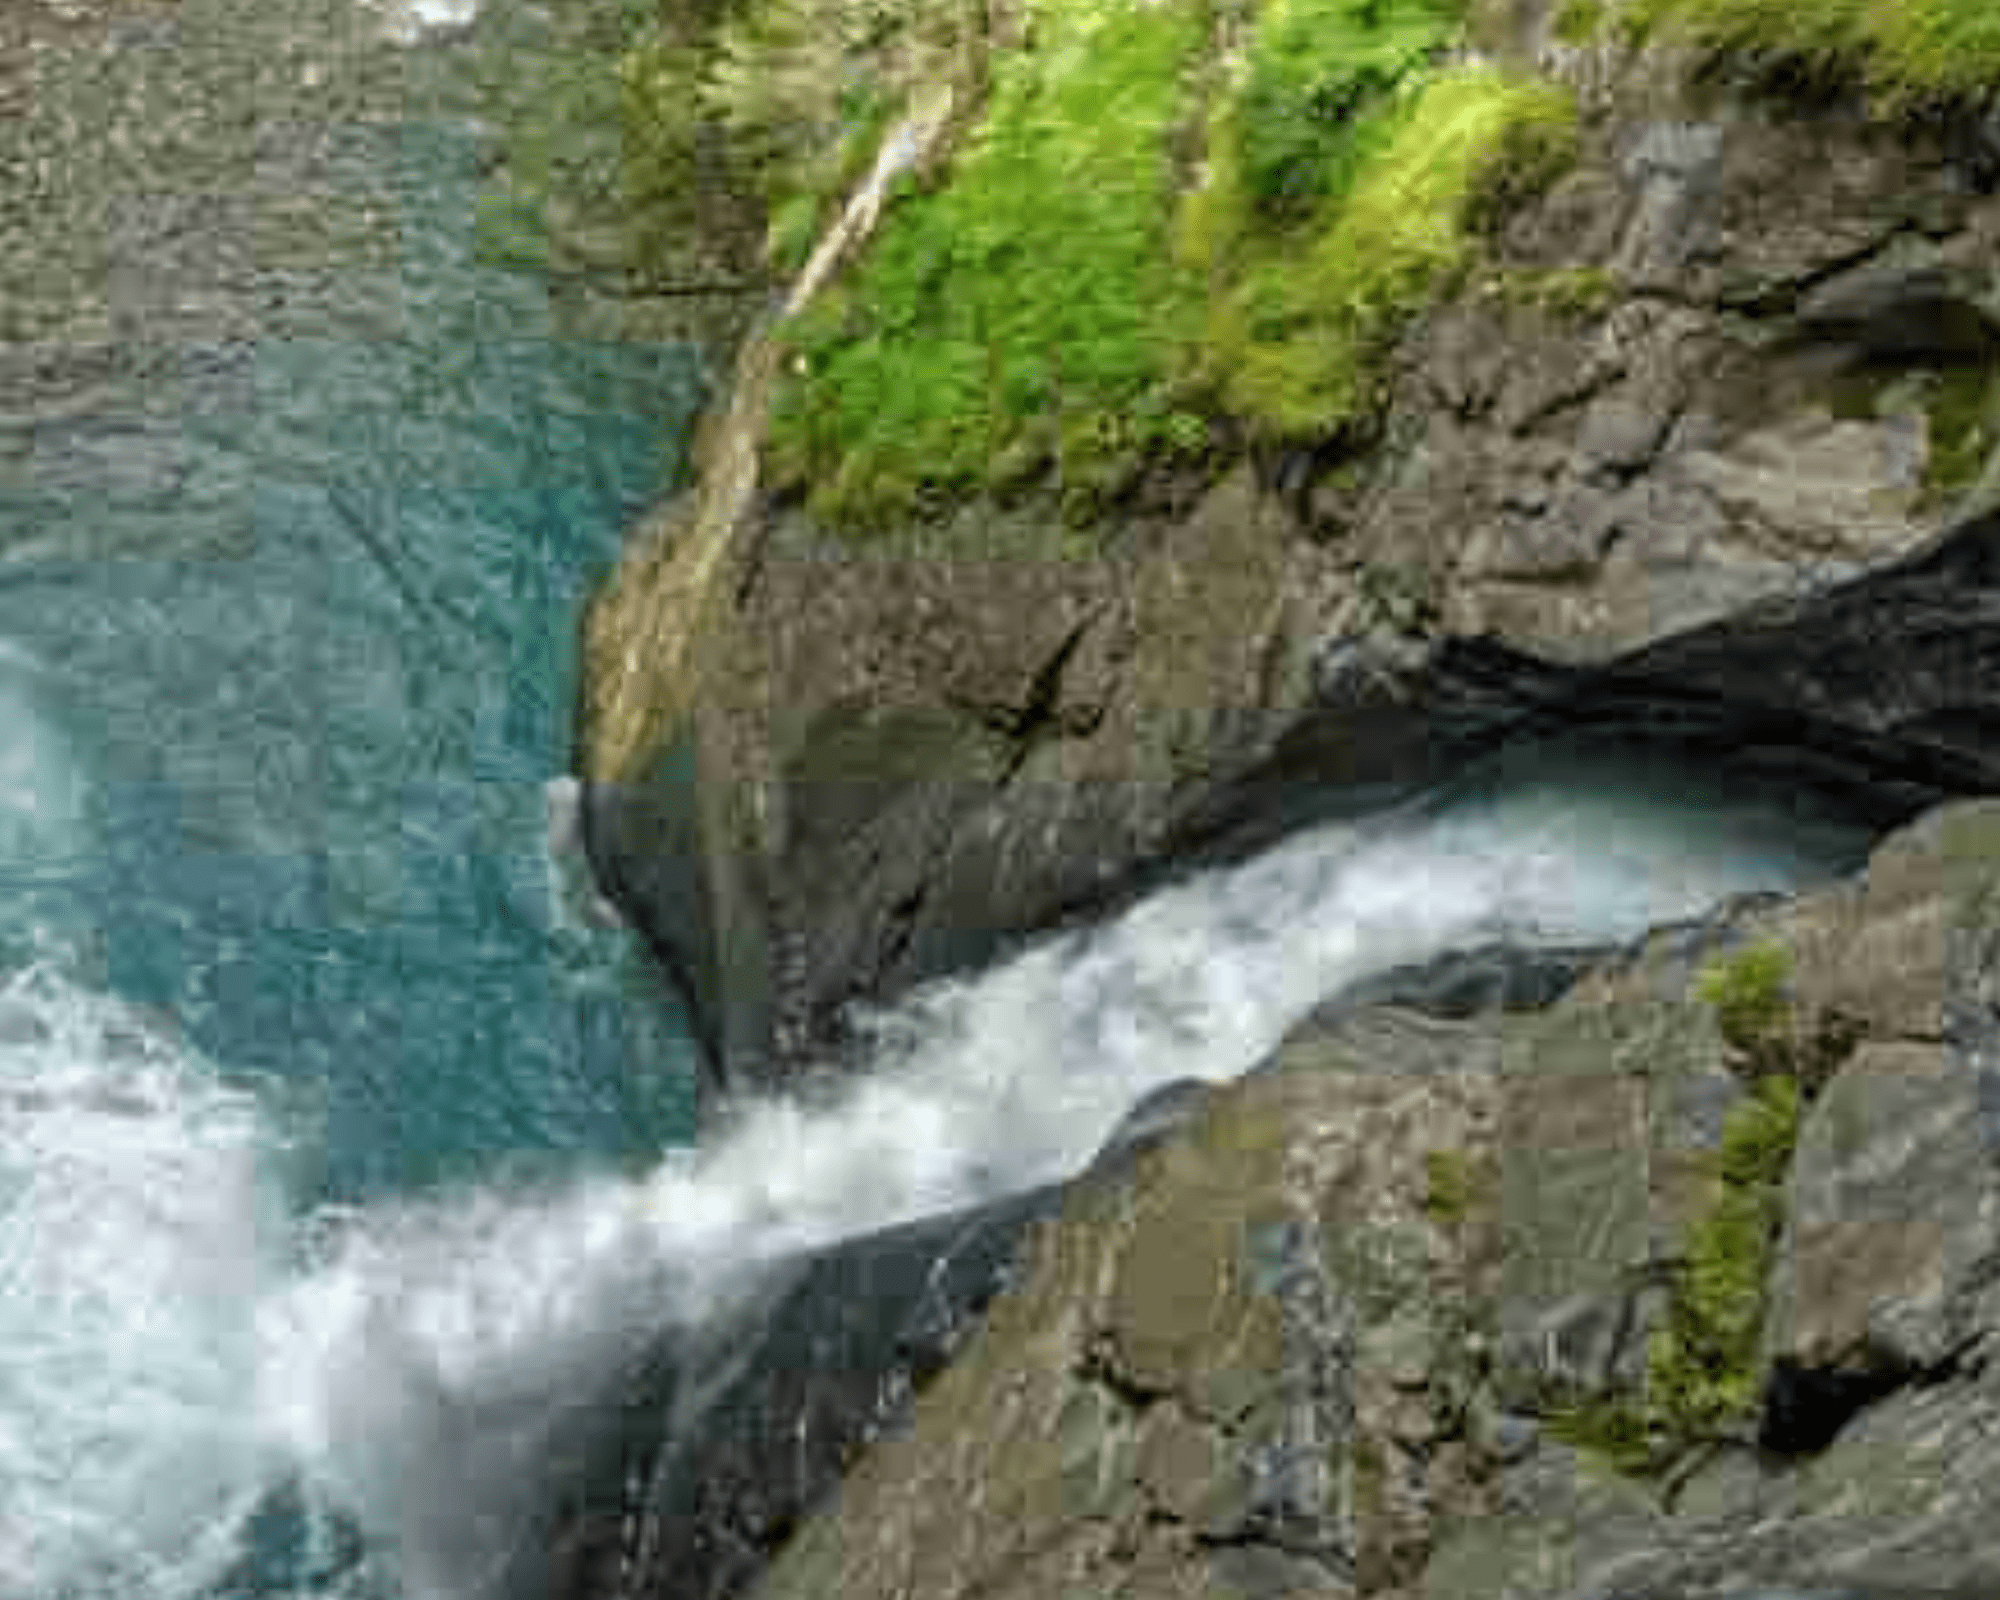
column 1805, row 1409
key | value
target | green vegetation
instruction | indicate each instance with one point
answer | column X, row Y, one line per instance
column 1315, row 68
column 1618, row 1433
column 1027, row 324
column 1910, row 49
column 1578, row 21
column 1307, row 115
column 1748, row 994
column 789, row 99
column 1702, row 1373
column 1561, row 291
column 1964, row 416
column 1702, row 1366
column 1027, row 313
column 1961, row 410
column 1296, row 342
column 1448, row 1187
column 1060, row 313
column 658, row 154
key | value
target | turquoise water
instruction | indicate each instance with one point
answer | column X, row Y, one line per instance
column 287, row 658
column 301, row 615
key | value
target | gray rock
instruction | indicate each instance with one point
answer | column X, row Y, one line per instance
column 1159, row 1113
column 1894, row 1217
column 1622, row 432
column 1673, row 167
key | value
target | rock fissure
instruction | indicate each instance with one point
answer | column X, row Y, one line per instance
column 1039, row 717
column 1782, row 298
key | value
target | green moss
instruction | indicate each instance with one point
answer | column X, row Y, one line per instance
column 1748, row 994
column 1911, row 49
column 1299, row 345
column 1960, row 405
column 782, row 102
column 1615, row 1432
column 1964, row 416
column 1702, row 1367
column 1448, row 1187
column 794, row 229
column 1024, row 324
column 1577, row 21
column 658, row 79
column 1028, row 313
column 1703, row 1377
column 1315, row 67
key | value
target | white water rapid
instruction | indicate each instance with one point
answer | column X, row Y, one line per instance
column 172, row 1346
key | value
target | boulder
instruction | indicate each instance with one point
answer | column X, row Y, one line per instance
column 1210, row 1376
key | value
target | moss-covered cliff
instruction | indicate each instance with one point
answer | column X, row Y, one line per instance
column 1357, row 330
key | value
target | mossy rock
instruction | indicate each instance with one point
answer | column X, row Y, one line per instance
column 1577, row 22
column 1913, row 51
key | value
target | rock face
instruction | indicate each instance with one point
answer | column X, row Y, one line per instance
column 1671, row 464
column 1362, row 1323
column 1479, row 1289
column 687, row 1466
column 1334, row 1335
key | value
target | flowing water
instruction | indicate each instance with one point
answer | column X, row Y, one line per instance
column 337, row 1143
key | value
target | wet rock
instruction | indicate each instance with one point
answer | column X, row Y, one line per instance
column 1469, row 983
column 1154, row 1118
column 1172, row 1395
column 724, row 1437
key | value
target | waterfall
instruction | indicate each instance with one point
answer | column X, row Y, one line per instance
column 172, row 1354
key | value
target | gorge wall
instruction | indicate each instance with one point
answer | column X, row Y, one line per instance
column 1669, row 460
column 1628, row 1273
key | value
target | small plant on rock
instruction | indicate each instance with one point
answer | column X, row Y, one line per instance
column 1447, row 1187
column 1703, row 1377
column 1702, row 1365
column 1913, row 51
column 1577, row 22
column 1751, row 1006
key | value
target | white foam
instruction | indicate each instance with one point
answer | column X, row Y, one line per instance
column 134, row 1230
column 574, row 899
column 407, row 21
